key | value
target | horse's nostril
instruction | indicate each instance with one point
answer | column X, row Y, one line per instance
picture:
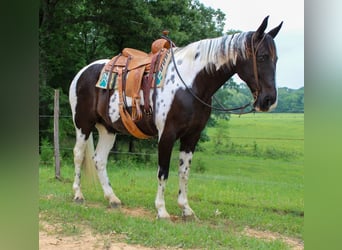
column 268, row 101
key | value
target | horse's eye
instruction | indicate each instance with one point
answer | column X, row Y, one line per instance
column 262, row 58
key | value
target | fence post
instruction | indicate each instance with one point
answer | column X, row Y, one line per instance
column 56, row 135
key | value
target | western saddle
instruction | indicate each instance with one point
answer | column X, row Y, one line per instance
column 134, row 70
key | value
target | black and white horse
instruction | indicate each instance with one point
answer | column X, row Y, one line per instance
column 204, row 66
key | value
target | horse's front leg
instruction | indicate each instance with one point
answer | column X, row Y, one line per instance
column 187, row 148
column 164, row 154
column 183, row 173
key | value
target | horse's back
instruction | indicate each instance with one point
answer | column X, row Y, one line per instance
column 82, row 95
column 86, row 78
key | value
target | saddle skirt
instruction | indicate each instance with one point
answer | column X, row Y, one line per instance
column 131, row 71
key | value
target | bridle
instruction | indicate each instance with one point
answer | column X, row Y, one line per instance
column 222, row 108
column 255, row 66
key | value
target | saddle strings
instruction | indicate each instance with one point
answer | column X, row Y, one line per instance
column 222, row 108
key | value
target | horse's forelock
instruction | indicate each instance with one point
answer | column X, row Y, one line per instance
column 246, row 51
column 271, row 47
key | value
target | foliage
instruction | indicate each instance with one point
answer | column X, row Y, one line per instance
column 46, row 152
column 75, row 33
column 233, row 94
column 46, row 111
column 46, row 97
column 290, row 100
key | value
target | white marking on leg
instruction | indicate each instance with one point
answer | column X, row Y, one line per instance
column 160, row 202
column 79, row 149
column 183, row 173
column 105, row 143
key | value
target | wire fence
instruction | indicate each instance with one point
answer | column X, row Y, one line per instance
column 154, row 154
column 56, row 148
column 222, row 136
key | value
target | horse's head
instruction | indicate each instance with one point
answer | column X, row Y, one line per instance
column 258, row 67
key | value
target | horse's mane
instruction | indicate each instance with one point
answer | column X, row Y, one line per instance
column 222, row 51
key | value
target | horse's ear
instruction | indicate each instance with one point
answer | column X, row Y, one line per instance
column 260, row 31
column 275, row 31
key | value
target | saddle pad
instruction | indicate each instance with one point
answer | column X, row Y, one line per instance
column 160, row 75
column 103, row 82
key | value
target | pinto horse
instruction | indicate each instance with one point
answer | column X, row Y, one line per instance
column 181, row 107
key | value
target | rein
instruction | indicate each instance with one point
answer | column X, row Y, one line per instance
column 255, row 69
column 221, row 108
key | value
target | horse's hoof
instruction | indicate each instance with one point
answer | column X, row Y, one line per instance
column 190, row 218
column 115, row 205
column 79, row 200
column 164, row 218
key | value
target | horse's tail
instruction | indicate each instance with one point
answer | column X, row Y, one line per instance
column 90, row 173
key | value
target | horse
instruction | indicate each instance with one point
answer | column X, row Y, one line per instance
column 181, row 108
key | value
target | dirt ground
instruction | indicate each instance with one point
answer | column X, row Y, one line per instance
column 85, row 241
column 51, row 239
column 295, row 244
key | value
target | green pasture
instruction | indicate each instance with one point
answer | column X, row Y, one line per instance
column 268, row 135
column 250, row 174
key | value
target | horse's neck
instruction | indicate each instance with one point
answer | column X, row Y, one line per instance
column 209, row 63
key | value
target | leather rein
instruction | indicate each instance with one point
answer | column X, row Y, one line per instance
column 222, row 108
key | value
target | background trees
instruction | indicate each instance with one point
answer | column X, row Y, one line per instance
column 73, row 33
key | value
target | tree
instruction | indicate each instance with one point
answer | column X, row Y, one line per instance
column 290, row 100
column 233, row 94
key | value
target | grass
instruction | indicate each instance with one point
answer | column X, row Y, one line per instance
column 229, row 192
column 261, row 134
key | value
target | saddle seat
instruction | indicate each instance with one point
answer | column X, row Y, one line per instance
column 138, row 59
column 131, row 71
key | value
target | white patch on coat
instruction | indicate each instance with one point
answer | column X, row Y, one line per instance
column 218, row 51
column 73, row 85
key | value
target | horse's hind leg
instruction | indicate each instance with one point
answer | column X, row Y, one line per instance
column 79, row 150
column 105, row 143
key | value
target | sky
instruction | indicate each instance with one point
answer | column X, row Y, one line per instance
column 247, row 15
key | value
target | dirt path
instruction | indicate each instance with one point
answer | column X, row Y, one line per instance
column 295, row 244
column 51, row 237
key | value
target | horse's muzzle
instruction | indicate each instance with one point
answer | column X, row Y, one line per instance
column 266, row 103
